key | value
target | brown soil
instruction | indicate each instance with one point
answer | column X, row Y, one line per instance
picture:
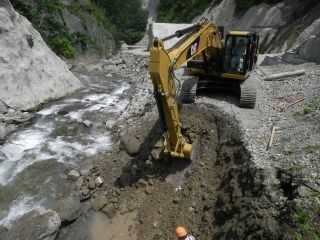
column 220, row 195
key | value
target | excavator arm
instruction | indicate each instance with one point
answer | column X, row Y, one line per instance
column 202, row 38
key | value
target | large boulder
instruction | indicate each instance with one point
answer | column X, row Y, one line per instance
column 68, row 208
column 39, row 224
column 130, row 144
column 30, row 72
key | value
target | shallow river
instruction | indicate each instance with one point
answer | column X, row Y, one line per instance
column 35, row 162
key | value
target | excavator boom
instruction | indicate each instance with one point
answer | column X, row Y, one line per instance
column 201, row 46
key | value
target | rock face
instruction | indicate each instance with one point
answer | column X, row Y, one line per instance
column 39, row 224
column 30, row 72
column 279, row 25
column 68, row 209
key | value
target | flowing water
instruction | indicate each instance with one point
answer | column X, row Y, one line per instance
column 35, row 162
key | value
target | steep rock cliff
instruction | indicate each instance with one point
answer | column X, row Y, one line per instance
column 30, row 72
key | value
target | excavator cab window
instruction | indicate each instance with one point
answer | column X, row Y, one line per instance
column 235, row 54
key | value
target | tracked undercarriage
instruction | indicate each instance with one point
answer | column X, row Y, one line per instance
column 246, row 89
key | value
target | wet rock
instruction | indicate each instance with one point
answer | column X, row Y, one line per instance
column 87, row 123
column 70, row 130
column 99, row 202
column 79, row 183
column 73, row 175
column 149, row 190
column 99, row 181
column 130, row 144
column 142, row 183
column 125, row 179
column 37, row 224
column 68, row 208
column 109, row 75
column 110, row 210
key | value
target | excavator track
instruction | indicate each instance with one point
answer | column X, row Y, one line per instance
column 188, row 91
column 248, row 94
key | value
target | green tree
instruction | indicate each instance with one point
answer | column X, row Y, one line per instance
column 127, row 18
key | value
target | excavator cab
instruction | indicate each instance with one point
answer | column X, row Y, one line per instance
column 240, row 54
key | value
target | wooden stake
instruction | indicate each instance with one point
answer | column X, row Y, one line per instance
column 272, row 136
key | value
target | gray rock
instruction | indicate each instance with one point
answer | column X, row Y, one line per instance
column 85, row 172
column 85, row 191
column 39, row 224
column 73, row 175
column 98, row 181
column 109, row 75
column 301, row 192
column 79, row 183
column 125, row 179
column 99, row 202
column 68, row 208
column 130, row 144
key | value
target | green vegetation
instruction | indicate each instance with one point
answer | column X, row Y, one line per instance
column 303, row 220
column 289, row 151
column 43, row 15
column 181, row 11
column 295, row 166
column 311, row 148
column 312, row 107
column 127, row 20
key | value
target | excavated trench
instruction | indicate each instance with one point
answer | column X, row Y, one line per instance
column 222, row 194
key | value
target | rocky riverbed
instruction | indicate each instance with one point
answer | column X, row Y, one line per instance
column 238, row 187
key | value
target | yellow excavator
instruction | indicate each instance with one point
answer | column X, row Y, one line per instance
column 217, row 62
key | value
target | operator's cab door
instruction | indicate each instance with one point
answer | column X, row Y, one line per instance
column 240, row 54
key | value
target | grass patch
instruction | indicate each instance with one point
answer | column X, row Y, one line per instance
column 312, row 147
column 289, row 151
column 303, row 219
column 312, row 107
